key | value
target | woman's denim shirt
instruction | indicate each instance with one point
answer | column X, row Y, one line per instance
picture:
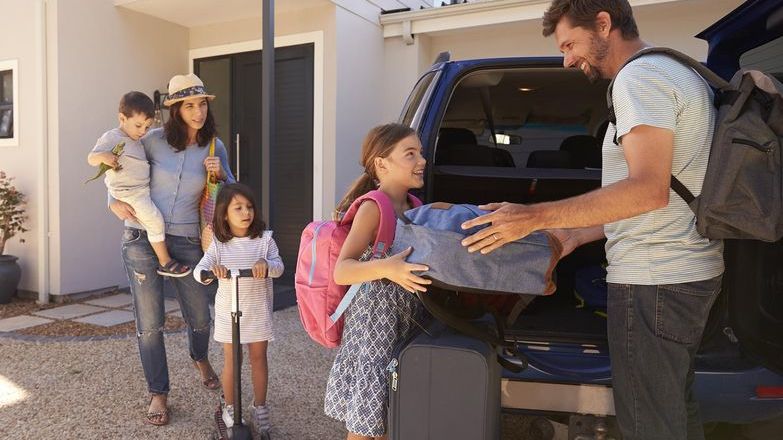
column 177, row 181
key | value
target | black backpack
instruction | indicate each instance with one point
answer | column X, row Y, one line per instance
column 742, row 194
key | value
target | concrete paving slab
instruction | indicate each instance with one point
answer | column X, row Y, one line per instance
column 22, row 321
column 108, row 319
column 169, row 305
column 69, row 311
column 121, row 300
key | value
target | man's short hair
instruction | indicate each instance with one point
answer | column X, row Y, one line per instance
column 137, row 103
column 582, row 13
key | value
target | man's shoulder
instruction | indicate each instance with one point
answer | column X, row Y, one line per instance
column 660, row 67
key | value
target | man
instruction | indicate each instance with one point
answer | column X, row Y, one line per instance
column 663, row 276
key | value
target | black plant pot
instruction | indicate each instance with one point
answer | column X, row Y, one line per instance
column 10, row 274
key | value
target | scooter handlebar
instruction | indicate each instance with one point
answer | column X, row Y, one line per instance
column 207, row 276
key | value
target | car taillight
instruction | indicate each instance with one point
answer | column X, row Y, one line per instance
column 765, row 392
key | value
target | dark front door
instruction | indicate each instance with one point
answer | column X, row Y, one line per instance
column 290, row 177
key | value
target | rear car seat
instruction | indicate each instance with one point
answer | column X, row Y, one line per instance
column 585, row 151
column 458, row 146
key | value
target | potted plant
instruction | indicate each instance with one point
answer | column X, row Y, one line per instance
column 12, row 216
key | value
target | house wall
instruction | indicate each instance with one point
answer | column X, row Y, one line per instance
column 102, row 52
column 403, row 64
column 21, row 38
column 671, row 24
column 360, row 92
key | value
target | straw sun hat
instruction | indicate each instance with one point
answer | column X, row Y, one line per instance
column 182, row 87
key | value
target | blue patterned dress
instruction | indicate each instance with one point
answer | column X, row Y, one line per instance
column 380, row 316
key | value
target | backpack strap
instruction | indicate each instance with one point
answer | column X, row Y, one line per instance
column 723, row 90
column 720, row 85
column 383, row 239
column 388, row 221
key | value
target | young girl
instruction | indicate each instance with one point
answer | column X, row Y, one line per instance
column 385, row 309
column 240, row 243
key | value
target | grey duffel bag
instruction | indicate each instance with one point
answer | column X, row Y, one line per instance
column 433, row 231
column 468, row 286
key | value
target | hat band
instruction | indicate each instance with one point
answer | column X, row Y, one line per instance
column 185, row 93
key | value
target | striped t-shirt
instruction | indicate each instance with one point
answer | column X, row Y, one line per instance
column 662, row 246
column 255, row 295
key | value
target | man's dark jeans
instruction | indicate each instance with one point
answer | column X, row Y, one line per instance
column 146, row 287
column 654, row 332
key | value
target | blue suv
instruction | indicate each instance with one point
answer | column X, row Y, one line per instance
column 528, row 130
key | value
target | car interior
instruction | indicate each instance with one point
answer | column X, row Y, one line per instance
column 534, row 134
column 528, row 135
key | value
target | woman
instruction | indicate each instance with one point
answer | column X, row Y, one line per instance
column 179, row 162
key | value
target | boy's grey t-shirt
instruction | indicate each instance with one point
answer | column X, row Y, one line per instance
column 662, row 246
column 135, row 172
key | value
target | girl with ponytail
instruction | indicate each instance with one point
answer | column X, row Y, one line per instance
column 385, row 310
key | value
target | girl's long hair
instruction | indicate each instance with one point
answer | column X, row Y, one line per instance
column 379, row 142
column 220, row 225
column 176, row 129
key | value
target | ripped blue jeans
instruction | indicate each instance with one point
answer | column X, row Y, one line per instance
column 146, row 288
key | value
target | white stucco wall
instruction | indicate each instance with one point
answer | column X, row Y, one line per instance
column 403, row 64
column 21, row 38
column 103, row 52
column 360, row 92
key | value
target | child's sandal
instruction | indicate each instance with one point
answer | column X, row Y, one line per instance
column 174, row 269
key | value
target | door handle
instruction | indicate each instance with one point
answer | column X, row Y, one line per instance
column 237, row 152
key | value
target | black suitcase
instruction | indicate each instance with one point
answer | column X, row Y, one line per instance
column 444, row 386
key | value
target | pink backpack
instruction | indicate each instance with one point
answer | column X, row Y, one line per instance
column 321, row 301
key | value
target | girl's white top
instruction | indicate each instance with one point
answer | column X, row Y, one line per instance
column 255, row 295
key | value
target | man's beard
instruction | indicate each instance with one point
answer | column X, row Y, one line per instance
column 599, row 49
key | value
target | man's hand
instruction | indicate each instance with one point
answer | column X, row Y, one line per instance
column 571, row 239
column 509, row 222
column 568, row 239
column 122, row 210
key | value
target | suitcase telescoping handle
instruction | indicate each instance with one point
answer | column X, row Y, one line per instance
column 207, row 276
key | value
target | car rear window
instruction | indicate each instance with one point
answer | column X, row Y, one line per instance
column 527, row 117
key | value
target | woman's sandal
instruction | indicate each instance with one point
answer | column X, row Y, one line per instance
column 157, row 418
column 212, row 382
column 174, row 269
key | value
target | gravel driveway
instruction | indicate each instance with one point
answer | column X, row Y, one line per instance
column 96, row 389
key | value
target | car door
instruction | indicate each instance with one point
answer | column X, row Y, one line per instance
column 751, row 37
